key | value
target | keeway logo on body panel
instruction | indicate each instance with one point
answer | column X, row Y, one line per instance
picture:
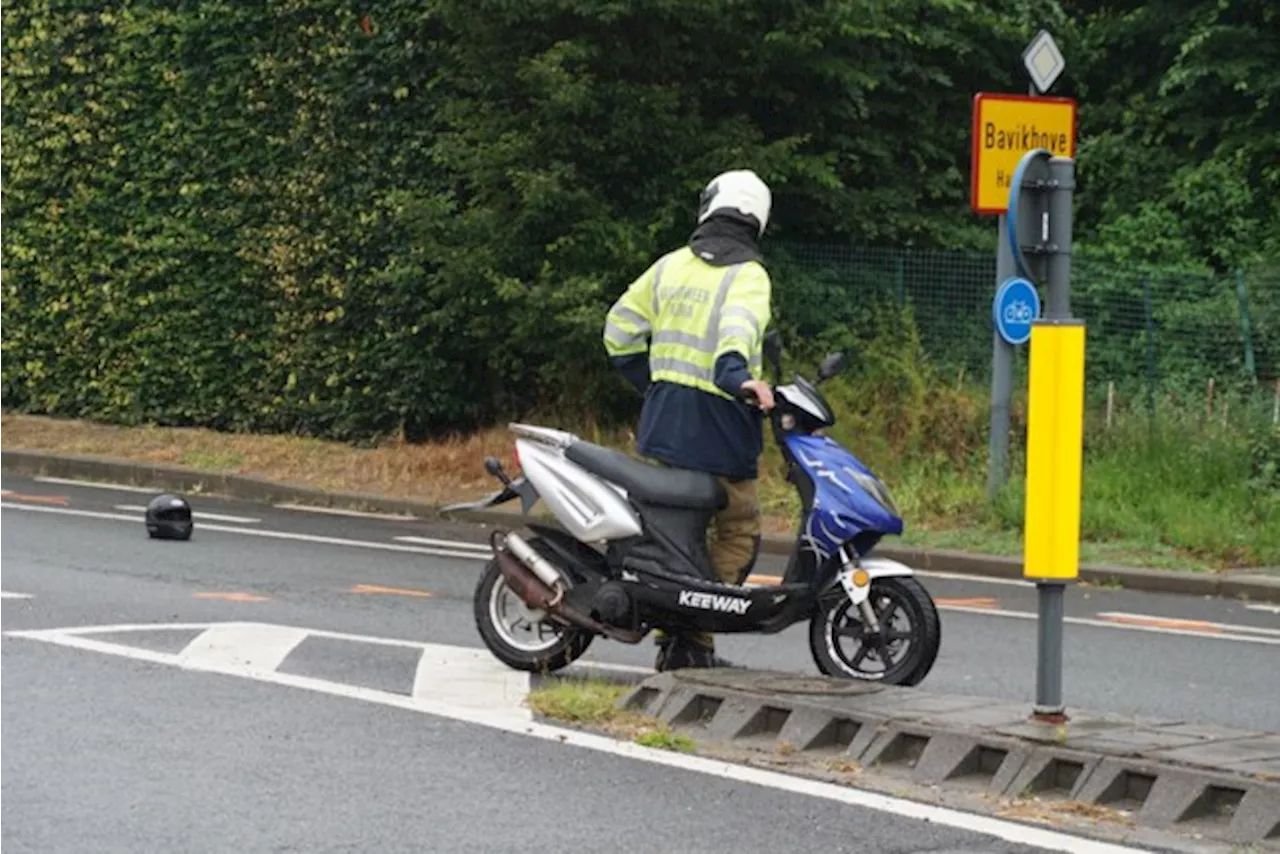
column 711, row 602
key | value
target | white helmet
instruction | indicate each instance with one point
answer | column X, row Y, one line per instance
column 742, row 190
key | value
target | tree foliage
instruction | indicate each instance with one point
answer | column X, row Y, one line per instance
column 410, row 217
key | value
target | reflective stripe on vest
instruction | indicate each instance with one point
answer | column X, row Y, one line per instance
column 679, row 367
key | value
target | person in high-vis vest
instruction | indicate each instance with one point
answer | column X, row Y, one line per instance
column 689, row 333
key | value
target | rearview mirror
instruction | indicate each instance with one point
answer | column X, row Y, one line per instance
column 832, row 365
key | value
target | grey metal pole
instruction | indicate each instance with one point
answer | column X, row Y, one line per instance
column 1001, row 376
column 1062, row 176
column 1051, row 594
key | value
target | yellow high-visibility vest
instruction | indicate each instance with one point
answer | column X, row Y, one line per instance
column 692, row 313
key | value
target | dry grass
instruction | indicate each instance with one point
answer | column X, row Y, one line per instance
column 435, row 471
column 1053, row 812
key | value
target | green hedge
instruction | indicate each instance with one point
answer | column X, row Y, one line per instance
column 410, row 217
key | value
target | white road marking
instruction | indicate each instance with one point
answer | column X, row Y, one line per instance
column 341, row 511
column 486, row 554
column 1273, row 609
column 252, row 646
column 508, row 720
column 5, row 594
column 981, row 579
column 1107, row 624
column 470, row 679
column 257, row 532
column 1230, row 627
column 449, row 544
column 119, row 487
column 196, row 514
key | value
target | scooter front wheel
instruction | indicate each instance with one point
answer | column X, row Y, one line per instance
column 521, row 637
column 902, row 652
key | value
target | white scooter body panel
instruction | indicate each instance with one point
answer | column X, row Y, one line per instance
column 591, row 509
column 876, row 567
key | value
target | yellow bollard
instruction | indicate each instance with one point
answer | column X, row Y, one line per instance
column 1055, row 434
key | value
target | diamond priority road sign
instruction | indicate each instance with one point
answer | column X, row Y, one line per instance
column 1005, row 127
column 1043, row 61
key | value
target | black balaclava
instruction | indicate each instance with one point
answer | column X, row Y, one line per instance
column 726, row 238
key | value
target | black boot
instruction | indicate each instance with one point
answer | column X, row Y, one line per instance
column 678, row 653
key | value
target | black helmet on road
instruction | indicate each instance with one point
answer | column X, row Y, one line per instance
column 169, row 518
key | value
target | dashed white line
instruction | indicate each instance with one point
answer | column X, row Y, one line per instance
column 5, row 594
column 980, row 579
column 1271, row 609
column 258, row 532
column 448, row 544
column 197, row 515
column 340, row 511
column 1107, row 624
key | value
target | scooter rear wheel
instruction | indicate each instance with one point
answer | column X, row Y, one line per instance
column 519, row 636
column 909, row 638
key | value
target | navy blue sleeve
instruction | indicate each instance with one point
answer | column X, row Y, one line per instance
column 731, row 372
column 635, row 368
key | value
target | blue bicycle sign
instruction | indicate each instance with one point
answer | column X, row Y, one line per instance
column 1016, row 305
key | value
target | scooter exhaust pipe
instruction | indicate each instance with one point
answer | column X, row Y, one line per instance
column 529, row 579
column 520, row 575
column 537, row 563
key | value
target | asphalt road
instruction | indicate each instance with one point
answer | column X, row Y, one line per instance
column 123, row 753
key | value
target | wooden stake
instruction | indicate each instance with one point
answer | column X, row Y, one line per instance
column 1208, row 401
column 1111, row 401
column 1275, row 411
column 960, row 379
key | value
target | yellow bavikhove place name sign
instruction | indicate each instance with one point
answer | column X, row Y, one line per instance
column 1005, row 127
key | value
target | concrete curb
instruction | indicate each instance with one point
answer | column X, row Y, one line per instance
column 1168, row 777
column 1252, row 586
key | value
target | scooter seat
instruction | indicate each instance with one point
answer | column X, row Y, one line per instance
column 651, row 484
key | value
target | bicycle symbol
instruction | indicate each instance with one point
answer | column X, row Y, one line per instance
column 1018, row 312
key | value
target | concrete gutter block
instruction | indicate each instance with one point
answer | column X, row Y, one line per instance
column 919, row 706
column 1266, row 770
column 960, row 760
column 1257, row 817
column 811, row 730
column 748, row 719
column 690, row 709
column 1218, row 754
column 1187, row 801
column 1149, row 742
column 649, row 697
column 899, row 748
column 1052, row 774
column 999, row 715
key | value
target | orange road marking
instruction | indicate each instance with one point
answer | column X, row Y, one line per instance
column 231, row 597
column 768, row 580
column 60, row 500
column 1165, row 623
column 397, row 591
column 973, row 602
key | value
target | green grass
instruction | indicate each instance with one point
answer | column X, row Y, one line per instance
column 593, row 703
column 1177, row 493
